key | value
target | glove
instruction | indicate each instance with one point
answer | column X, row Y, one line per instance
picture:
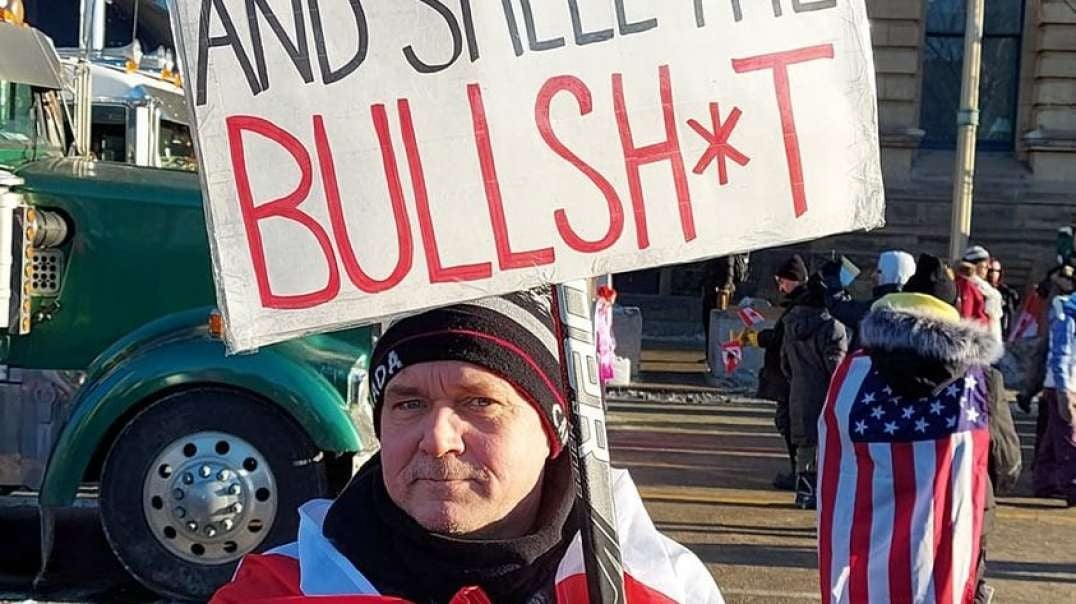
column 749, row 337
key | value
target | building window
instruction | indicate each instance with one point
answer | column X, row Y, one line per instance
column 943, row 62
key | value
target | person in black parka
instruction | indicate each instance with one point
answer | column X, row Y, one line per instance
column 772, row 383
column 814, row 343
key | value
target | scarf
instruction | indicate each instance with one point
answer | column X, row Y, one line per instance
column 401, row 558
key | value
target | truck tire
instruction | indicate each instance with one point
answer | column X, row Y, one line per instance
column 200, row 478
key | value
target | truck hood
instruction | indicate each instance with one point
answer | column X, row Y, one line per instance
column 63, row 176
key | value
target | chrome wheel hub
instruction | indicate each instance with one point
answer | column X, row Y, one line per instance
column 210, row 497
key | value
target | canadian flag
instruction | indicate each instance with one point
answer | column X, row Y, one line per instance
column 731, row 354
column 751, row 317
column 1028, row 322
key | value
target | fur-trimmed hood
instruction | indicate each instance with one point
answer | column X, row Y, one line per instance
column 964, row 343
column 918, row 353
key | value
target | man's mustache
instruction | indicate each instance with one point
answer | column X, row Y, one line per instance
column 447, row 468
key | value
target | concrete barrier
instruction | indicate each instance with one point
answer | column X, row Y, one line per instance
column 628, row 331
column 724, row 325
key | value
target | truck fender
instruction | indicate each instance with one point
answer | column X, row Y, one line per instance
column 141, row 369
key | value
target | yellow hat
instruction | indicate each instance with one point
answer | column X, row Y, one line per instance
column 921, row 304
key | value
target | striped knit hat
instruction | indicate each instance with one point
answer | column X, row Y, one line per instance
column 512, row 336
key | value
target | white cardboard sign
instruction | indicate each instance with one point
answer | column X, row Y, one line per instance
column 368, row 158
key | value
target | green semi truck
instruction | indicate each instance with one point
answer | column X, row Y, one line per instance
column 113, row 376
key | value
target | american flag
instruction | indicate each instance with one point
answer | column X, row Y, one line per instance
column 901, row 488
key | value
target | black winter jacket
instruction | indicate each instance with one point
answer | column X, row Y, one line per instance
column 814, row 343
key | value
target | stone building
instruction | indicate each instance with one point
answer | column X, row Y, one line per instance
column 1025, row 186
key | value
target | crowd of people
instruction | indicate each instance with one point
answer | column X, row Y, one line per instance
column 893, row 407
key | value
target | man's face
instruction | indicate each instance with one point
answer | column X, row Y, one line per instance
column 463, row 452
column 786, row 286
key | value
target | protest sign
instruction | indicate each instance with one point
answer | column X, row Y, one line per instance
column 365, row 159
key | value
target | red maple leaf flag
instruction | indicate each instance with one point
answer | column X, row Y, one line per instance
column 731, row 354
column 751, row 317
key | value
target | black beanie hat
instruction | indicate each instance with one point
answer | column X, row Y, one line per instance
column 513, row 336
column 932, row 277
column 794, row 269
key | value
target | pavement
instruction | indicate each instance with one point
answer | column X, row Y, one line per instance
column 703, row 460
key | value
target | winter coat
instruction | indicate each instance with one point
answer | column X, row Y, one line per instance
column 772, row 383
column 1010, row 307
column 932, row 354
column 993, row 305
column 970, row 301
column 311, row 569
column 850, row 311
column 814, row 344
column 1061, row 358
column 911, row 363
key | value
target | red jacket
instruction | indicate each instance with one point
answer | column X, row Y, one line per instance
column 657, row 570
column 971, row 302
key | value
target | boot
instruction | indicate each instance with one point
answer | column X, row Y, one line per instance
column 805, row 491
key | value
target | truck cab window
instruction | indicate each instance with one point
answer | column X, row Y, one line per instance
column 108, row 135
column 176, row 147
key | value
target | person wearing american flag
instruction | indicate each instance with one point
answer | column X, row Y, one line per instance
column 905, row 496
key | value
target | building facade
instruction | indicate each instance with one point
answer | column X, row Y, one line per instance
column 1025, row 186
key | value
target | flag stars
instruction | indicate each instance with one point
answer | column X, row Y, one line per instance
column 952, row 390
column 896, row 400
column 972, row 413
column 951, row 422
column 921, row 425
column 877, row 413
column 868, row 398
column 890, row 428
column 971, row 382
column 861, row 427
column 908, row 412
column 887, row 391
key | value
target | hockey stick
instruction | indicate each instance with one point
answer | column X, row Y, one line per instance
column 589, row 446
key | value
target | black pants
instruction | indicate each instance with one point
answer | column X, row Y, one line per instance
column 782, row 421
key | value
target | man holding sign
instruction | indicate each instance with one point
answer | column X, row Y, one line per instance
column 363, row 160
column 471, row 497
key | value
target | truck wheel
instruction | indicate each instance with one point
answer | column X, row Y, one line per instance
column 199, row 479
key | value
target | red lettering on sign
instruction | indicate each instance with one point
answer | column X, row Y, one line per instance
column 438, row 272
column 286, row 207
column 505, row 256
column 779, row 62
column 667, row 150
column 405, row 246
column 579, row 90
column 719, row 149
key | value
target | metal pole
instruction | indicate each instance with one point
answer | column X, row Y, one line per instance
column 967, row 131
